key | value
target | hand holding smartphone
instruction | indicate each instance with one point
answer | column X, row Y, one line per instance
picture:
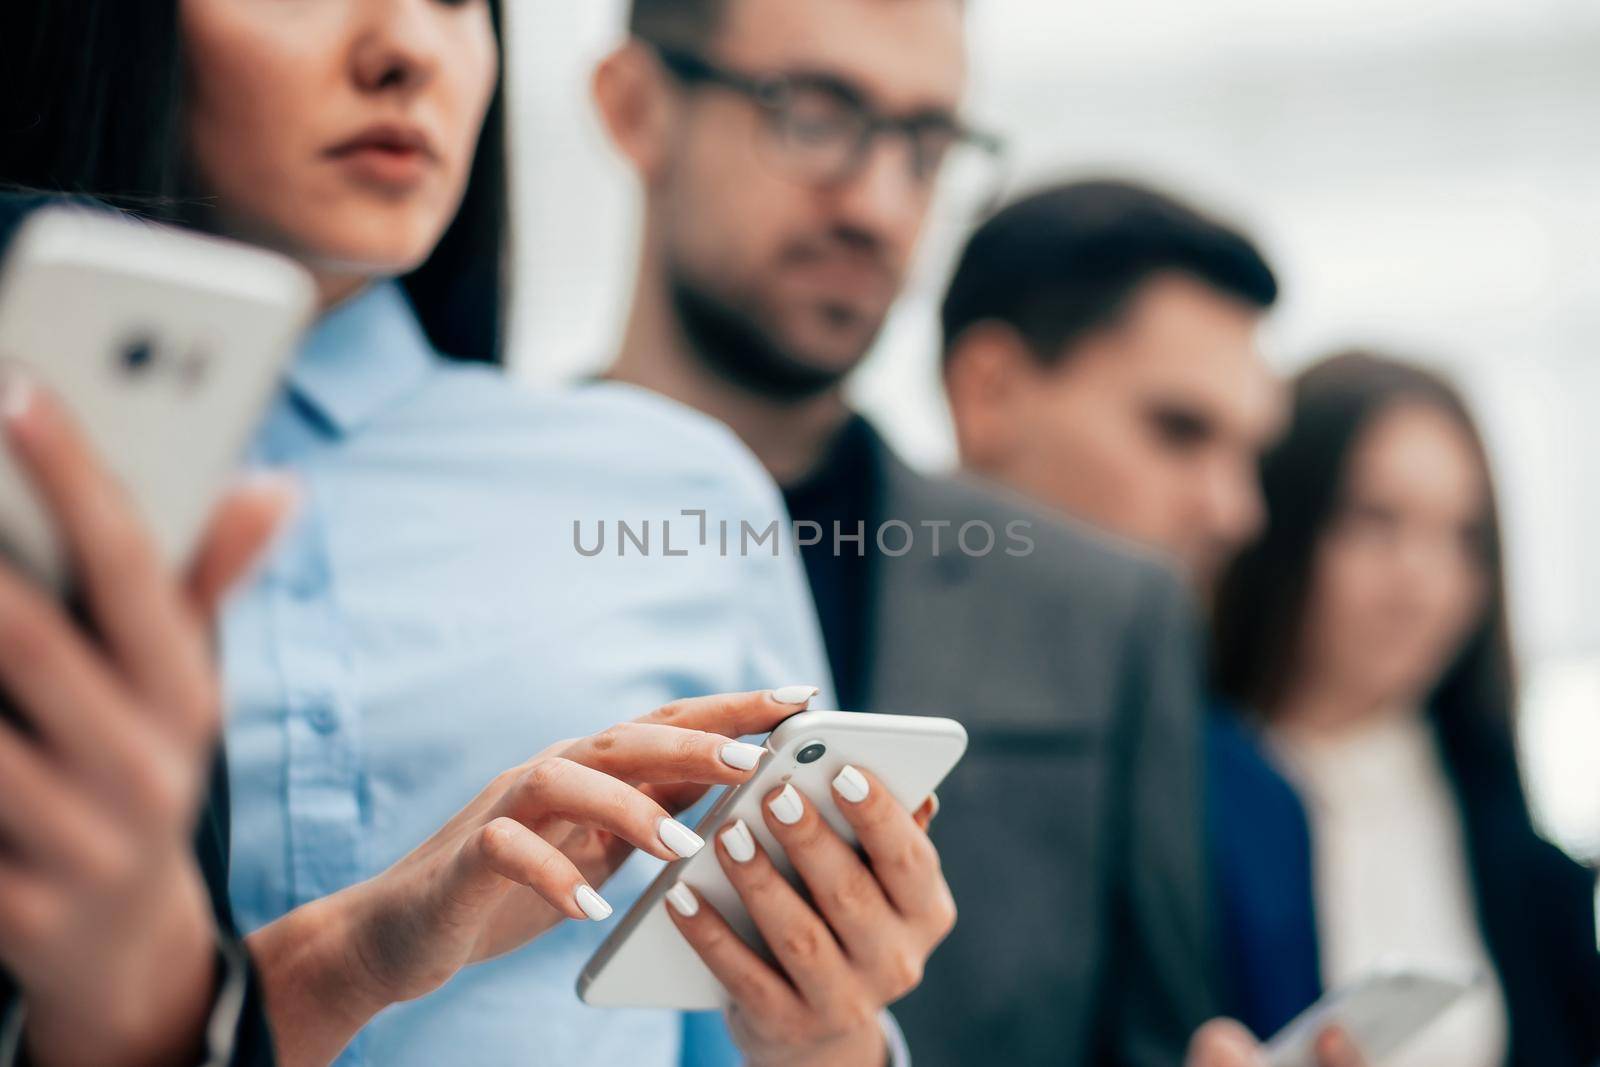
column 136, row 359
column 647, row 963
column 1379, row 1013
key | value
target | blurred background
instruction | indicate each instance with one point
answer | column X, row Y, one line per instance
column 1425, row 177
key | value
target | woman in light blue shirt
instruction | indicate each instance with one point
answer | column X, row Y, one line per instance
column 438, row 613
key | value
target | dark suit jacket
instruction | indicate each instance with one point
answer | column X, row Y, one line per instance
column 1070, row 833
column 252, row 1046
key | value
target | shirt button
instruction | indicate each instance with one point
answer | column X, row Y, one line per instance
column 304, row 585
column 322, row 719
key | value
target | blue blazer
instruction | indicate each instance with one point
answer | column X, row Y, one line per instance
column 1536, row 907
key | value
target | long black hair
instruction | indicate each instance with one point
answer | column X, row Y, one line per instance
column 91, row 103
column 1262, row 598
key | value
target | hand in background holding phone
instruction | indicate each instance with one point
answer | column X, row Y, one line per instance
column 859, row 947
column 529, row 851
column 1225, row 1043
column 105, row 922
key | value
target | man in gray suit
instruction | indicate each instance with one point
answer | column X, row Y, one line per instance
column 1100, row 356
column 788, row 155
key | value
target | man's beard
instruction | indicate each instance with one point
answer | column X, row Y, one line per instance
column 734, row 346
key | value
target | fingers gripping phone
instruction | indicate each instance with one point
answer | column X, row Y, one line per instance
column 646, row 963
column 165, row 346
column 1379, row 1013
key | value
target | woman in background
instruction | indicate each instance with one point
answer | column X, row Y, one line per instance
column 1366, row 804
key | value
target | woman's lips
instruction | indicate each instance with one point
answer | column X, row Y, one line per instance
column 395, row 158
column 397, row 168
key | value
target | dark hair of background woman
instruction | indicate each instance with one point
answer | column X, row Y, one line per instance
column 91, row 102
column 1261, row 601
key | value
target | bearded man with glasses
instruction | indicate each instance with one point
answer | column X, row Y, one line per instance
column 790, row 153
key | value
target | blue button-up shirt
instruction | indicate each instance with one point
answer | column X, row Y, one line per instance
column 430, row 620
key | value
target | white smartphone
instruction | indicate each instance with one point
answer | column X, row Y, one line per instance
column 646, row 963
column 165, row 345
column 1380, row 1012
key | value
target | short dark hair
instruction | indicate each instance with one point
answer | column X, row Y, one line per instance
column 91, row 103
column 678, row 22
column 1062, row 262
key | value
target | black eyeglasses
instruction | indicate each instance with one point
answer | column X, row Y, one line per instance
column 822, row 130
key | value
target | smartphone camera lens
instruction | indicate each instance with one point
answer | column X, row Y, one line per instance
column 137, row 354
column 811, row 753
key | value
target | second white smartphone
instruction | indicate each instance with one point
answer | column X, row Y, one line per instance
column 1379, row 1012
column 646, row 963
column 165, row 344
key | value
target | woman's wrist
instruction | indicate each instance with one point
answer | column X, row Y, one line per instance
column 866, row 1047
column 317, row 988
column 155, row 1001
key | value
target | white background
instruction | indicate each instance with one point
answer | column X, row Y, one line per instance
column 1424, row 174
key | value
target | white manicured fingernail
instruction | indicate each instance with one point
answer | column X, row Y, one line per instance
column 933, row 805
column 679, row 838
column 741, row 756
column 740, row 845
column 592, row 903
column 265, row 479
column 851, row 784
column 787, row 807
column 16, row 394
column 683, row 901
column 794, row 694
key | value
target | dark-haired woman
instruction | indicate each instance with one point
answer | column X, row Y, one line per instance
column 1366, row 805
column 431, row 616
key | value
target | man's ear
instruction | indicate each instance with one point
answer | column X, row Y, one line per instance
column 634, row 101
column 988, row 374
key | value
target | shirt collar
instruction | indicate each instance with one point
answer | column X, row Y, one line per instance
column 362, row 356
column 848, row 466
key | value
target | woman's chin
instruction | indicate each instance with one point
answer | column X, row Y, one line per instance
column 372, row 260
column 362, row 246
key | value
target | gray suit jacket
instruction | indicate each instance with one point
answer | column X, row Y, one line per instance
column 1071, row 832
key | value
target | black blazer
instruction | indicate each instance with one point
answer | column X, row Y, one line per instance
column 252, row 1043
column 1536, row 908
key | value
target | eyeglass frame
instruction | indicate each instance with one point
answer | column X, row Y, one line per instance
column 691, row 68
